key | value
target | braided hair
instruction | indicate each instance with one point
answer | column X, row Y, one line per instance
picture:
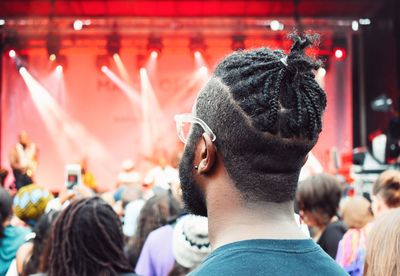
column 87, row 239
column 266, row 109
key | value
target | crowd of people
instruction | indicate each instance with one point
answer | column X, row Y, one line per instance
column 236, row 208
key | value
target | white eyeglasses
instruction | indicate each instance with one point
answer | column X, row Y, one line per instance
column 184, row 126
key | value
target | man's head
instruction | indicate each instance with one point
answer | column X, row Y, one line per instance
column 23, row 138
column 265, row 109
column 86, row 239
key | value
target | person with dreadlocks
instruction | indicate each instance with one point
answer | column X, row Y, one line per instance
column 249, row 134
column 86, row 239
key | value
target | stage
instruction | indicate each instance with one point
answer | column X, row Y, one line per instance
column 105, row 86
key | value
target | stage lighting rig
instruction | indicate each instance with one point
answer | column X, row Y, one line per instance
column 154, row 46
column 12, row 41
column 21, row 61
column 276, row 25
column 12, row 53
column 53, row 45
column 62, row 61
column 113, row 43
column 238, row 42
column 339, row 47
column 197, row 45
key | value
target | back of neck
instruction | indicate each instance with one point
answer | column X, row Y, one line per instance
column 239, row 221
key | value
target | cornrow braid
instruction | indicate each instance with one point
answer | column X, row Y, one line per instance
column 265, row 108
column 86, row 239
column 279, row 84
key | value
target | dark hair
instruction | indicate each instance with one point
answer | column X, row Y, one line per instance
column 5, row 208
column 42, row 230
column 156, row 212
column 86, row 239
column 320, row 194
column 388, row 187
column 3, row 176
column 265, row 109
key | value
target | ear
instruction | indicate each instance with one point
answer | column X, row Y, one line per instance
column 208, row 154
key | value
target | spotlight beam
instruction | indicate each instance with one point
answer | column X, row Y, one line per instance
column 152, row 115
column 122, row 69
column 76, row 137
column 133, row 96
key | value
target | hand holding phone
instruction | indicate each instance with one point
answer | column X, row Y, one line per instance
column 73, row 176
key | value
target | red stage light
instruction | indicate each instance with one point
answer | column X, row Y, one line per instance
column 340, row 53
column 12, row 54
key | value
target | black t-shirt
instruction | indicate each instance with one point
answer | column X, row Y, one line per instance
column 330, row 238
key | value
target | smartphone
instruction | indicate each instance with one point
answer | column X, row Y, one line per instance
column 73, row 175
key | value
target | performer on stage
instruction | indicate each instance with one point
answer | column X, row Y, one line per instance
column 23, row 160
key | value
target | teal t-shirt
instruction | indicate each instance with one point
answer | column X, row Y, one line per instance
column 269, row 257
column 13, row 238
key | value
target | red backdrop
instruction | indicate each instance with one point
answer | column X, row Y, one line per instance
column 90, row 116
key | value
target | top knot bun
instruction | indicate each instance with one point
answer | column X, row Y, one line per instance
column 297, row 60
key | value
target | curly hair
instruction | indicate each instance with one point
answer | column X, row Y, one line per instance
column 266, row 109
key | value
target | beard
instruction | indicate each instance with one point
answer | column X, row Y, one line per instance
column 192, row 195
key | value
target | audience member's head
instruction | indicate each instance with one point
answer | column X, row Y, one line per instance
column 86, row 239
column 256, row 118
column 130, row 194
column 5, row 208
column 30, row 203
column 318, row 198
column 42, row 230
column 356, row 211
column 383, row 248
column 190, row 244
column 156, row 212
column 386, row 192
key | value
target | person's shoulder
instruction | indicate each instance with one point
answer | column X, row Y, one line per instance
column 17, row 231
column 160, row 233
column 269, row 257
column 337, row 226
column 324, row 264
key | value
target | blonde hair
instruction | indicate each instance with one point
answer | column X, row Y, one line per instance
column 383, row 248
column 356, row 211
